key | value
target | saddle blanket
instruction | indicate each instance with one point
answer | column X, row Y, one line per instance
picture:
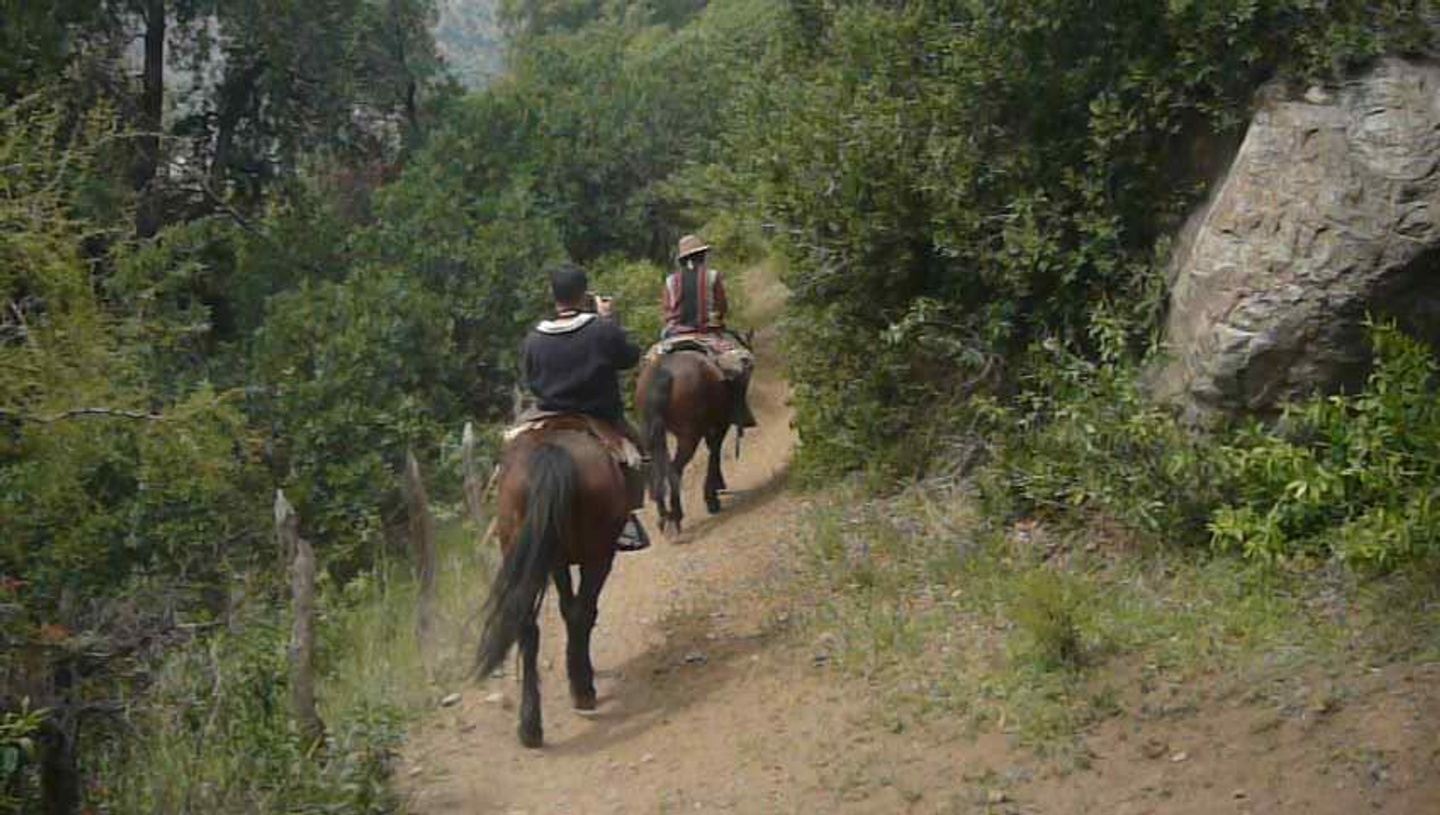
column 730, row 356
column 624, row 451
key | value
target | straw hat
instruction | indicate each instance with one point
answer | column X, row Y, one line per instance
column 691, row 245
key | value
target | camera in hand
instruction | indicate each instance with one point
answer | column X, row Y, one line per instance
column 594, row 303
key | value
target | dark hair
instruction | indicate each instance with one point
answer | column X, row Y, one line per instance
column 568, row 282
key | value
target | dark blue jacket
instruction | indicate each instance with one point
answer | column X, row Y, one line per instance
column 572, row 364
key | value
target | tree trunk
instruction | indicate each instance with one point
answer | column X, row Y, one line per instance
column 412, row 108
column 234, row 101
column 152, row 115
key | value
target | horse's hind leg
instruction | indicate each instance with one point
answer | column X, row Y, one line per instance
column 580, row 624
column 714, row 479
column 531, row 732
column 685, row 447
column 572, row 608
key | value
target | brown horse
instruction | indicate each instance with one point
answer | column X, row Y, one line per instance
column 562, row 503
column 683, row 393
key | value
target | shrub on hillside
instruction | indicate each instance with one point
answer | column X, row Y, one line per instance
column 1356, row 477
column 1083, row 439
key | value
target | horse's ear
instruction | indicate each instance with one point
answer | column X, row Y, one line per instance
column 750, row 337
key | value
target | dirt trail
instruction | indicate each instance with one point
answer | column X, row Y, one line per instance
column 709, row 702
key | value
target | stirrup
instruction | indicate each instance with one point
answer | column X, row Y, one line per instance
column 632, row 537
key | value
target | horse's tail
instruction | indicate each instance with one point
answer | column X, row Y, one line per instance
column 657, row 401
column 519, row 586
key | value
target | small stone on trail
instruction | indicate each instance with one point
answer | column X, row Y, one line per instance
column 647, row 758
column 451, row 700
column 1179, row 757
column 996, row 797
column 1154, row 748
column 495, row 698
column 696, row 658
column 415, row 771
column 1239, row 794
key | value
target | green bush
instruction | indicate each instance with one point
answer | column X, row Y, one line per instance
column 1348, row 476
column 1356, row 477
column 18, row 777
column 635, row 287
column 356, row 373
column 1082, row 439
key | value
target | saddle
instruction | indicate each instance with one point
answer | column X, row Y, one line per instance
column 624, row 451
column 728, row 354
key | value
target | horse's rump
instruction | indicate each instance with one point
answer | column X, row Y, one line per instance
column 692, row 396
column 600, row 507
column 685, row 394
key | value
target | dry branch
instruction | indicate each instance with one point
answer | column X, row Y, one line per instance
column 116, row 413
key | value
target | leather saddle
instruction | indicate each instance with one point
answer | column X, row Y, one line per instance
column 624, row 451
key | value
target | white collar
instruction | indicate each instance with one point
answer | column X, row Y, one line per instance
column 565, row 325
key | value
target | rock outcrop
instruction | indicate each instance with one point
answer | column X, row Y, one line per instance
column 1330, row 211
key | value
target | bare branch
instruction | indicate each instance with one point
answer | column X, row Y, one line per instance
column 116, row 413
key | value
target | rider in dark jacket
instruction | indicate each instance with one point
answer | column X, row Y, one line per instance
column 571, row 363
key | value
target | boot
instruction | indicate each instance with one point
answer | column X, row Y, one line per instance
column 635, row 483
column 632, row 537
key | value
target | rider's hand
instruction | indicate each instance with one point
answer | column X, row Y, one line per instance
column 604, row 306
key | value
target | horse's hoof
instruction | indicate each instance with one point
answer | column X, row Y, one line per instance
column 534, row 739
column 583, row 702
column 713, row 504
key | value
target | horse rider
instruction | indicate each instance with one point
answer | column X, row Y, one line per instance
column 694, row 303
column 571, row 363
